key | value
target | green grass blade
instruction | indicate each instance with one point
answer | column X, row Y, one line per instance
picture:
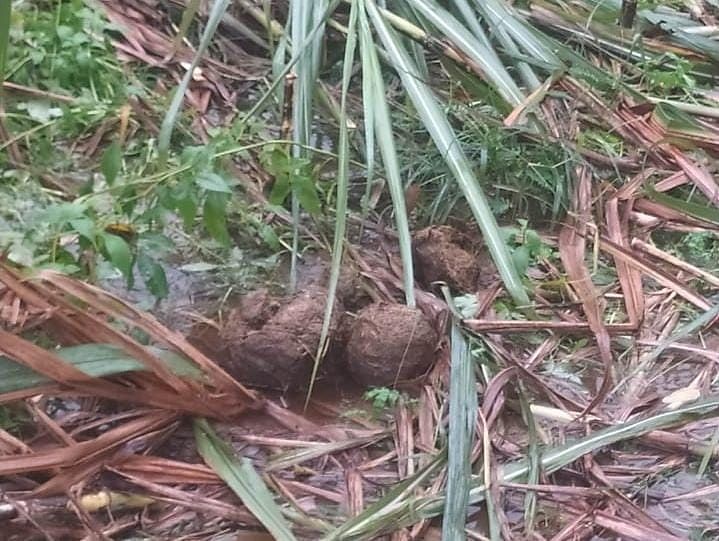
column 449, row 146
column 278, row 63
column 5, row 15
column 499, row 15
column 472, row 21
column 709, row 454
column 533, row 458
column 485, row 57
column 385, row 140
column 242, row 478
column 343, row 171
column 305, row 16
column 369, row 519
column 416, row 49
column 293, row 458
column 96, row 360
column 187, row 15
column 462, row 419
column 695, row 210
column 296, row 55
column 530, row 78
column 168, row 123
column 369, row 127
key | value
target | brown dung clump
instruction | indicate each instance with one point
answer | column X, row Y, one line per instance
column 444, row 254
column 271, row 342
column 390, row 343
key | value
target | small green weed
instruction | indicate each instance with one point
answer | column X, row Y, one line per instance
column 527, row 246
column 667, row 75
column 13, row 418
column 383, row 398
column 292, row 174
column 700, row 249
column 63, row 46
column 522, row 176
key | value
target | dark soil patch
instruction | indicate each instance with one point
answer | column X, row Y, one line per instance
column 444, row 254
column 390, row 343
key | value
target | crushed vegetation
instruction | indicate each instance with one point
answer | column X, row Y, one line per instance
column 359, row 270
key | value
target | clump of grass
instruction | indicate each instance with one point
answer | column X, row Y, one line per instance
column 521, row 175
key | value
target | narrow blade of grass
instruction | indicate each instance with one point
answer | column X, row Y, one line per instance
column 533, row 458
column 499, row 15
column 278, row 63
column 438, row 126
column 385, row 138
column 242, row 478
column 187, row 15
column 695, row 210
column 296, row 55
column 292, row 458
column 5, row 14
column 168, row 123
column 462, row 419
column 372, row 518
column 485, row 57
column 343, row 170
column 303, row 16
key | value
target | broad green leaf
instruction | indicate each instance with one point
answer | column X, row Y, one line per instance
column 212, row 182
column 119, row 254
column 268, row 235
column 187, row 208
column 280, row 189
column 241, row 477
column 214, row 217
column 96, row 360
column 449, row 146
column 111, row 162
column 62, row 213
column 304, row 188
column 153, row 275
column 85, row 227
column 168, row 123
